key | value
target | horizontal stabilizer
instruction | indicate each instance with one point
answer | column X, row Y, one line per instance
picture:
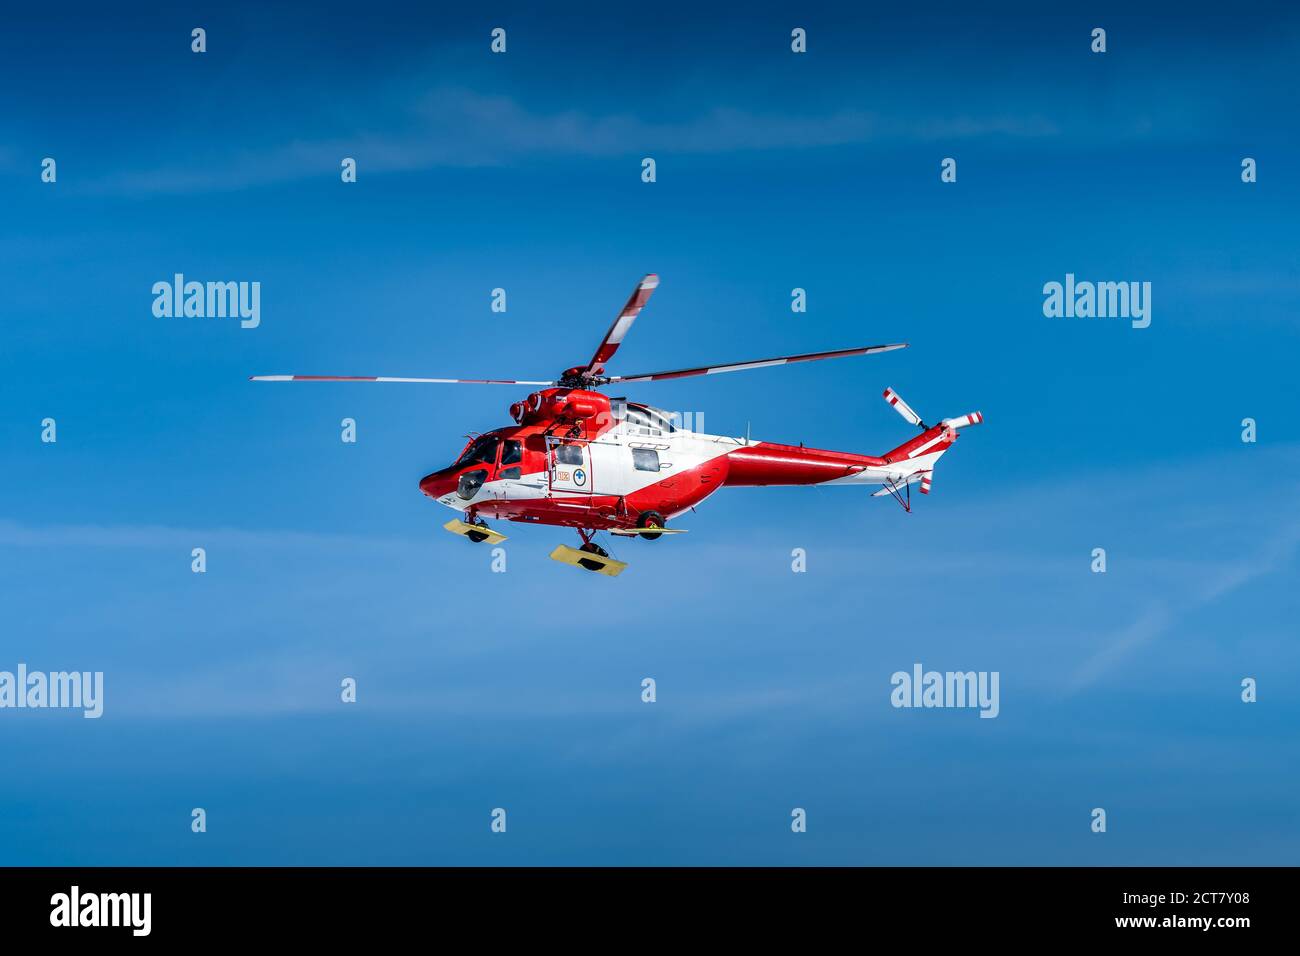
column 921, row 476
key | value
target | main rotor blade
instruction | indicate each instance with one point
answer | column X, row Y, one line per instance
column 614, row 337
column 387, row 378
column 756, row 363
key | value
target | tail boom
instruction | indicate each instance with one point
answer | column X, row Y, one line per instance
column 768, row 463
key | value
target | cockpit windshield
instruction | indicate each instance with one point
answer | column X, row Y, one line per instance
column 483, row 449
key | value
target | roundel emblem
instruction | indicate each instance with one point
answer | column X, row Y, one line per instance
column 579, row 476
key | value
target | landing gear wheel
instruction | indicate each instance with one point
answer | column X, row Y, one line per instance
column 592, row 548
column 650, row 519
column 477, row 536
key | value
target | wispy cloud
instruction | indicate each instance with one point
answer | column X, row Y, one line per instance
column 457, row 127
column 16, row 535
column 1157, row 619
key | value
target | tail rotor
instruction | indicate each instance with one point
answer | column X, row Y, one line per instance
column 974, row 418
column 914, row 460
column 909, row 414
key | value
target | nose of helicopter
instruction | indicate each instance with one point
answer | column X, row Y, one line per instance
column 438, row 484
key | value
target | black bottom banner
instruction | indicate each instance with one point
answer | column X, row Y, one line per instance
column 334, row 904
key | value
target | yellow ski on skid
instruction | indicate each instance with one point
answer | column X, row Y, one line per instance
column 599, row 563
column 475, row 532
column 633, row 532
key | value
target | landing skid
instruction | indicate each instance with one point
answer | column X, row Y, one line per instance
column 590, row 557
column 590, row 560
column 474, row 532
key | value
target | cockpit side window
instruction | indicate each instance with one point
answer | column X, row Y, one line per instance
column 512, row 453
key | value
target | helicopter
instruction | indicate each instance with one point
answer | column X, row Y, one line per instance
column 576, row 458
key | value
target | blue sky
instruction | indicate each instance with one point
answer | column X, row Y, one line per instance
column 522, row 690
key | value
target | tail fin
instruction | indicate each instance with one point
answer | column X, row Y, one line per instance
column 934, row 441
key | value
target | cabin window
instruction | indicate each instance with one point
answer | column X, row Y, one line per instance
column 645, row 459
column 643, row 420
column 568, row 454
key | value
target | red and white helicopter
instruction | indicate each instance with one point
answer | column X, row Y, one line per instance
column 578, row 459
